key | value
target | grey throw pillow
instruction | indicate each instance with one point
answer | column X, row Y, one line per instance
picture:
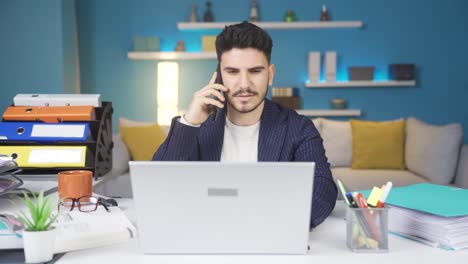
column 432, row 151
column 337, row 141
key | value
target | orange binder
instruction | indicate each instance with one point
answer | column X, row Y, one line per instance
column 49, row 114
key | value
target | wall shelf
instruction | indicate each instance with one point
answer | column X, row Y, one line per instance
column 330, row 112
column 170, row 55
column 273, row 25
column 360, row 84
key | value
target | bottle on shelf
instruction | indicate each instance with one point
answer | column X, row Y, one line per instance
column 193, row 14
column 208, row 16
column 253, row 11
column 324, row 14
column 180, row 46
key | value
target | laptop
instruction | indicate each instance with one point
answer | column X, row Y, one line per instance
column 222, row 208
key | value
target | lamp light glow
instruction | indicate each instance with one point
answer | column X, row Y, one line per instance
column 167, row 91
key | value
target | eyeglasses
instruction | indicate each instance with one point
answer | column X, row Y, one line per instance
column 85, row 203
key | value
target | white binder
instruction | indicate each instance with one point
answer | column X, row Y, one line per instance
column 57, row 100
column 314, row 66
column 330, row 66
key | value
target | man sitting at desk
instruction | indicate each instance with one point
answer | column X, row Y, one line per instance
column 246, row 126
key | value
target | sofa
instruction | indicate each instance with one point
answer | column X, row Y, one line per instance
column 431, row 154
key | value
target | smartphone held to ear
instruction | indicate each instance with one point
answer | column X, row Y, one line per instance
column 219, row 80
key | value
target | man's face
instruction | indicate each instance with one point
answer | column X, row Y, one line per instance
column 247, row 74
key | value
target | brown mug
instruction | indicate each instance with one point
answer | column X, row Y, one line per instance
column 75, row 183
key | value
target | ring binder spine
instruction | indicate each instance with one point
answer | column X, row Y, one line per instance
column 99, row 145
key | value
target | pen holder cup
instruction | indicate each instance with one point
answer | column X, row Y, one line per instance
column 367, row 229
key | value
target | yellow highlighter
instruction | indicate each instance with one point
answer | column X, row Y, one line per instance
column 374, row 196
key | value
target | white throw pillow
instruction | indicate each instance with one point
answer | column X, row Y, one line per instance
column 432, row 151
column 120, row 155
column 337, row 141
column 317, row 123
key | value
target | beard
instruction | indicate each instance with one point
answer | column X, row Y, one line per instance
column 255, row 101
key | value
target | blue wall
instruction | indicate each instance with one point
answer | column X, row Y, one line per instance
column 69, row 46
column 30, row 46
column 34, row 49
column 432, row 35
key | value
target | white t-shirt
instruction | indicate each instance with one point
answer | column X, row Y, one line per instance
column 240, row 142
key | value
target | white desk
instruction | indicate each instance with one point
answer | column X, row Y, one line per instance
column 327, row 243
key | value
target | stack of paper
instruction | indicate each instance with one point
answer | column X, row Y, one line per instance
column 434, row 230
column 433, row 214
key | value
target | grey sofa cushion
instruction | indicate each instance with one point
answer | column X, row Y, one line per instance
column 462, row 174
column 337, row 141
column 432, row 151
column 366, row 179
column 120, row 155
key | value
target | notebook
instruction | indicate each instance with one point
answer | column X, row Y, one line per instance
column 441, row 200
column 222, row 208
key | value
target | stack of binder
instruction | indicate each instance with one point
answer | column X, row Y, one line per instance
column 46, row 134
column 433, row 214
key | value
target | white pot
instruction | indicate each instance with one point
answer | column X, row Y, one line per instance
column 39, row 245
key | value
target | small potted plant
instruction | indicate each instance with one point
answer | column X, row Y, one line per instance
column 39, row 234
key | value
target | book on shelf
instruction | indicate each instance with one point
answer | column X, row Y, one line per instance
column 286, row 96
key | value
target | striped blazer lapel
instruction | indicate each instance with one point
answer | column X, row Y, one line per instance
column 272, row 133
column 211, row 140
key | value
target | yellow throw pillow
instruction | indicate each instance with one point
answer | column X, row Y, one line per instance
column 378, row 145
column 142, row 141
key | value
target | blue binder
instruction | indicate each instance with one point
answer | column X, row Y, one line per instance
column 43, row 132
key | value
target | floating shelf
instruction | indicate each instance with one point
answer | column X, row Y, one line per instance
column 170, row 55
column 331, row 112
column 360, row 84
column 272, row 25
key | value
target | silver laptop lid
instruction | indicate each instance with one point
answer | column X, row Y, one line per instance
column 223, row 208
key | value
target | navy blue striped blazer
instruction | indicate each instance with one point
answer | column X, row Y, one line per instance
column 284, row 136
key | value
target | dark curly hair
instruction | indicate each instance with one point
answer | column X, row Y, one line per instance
column 243, row 35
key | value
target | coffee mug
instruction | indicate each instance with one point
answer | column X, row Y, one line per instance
column 75, row 183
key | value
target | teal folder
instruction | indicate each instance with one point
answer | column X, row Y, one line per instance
column 430, row 198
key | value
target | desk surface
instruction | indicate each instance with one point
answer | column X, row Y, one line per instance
column 327, row 243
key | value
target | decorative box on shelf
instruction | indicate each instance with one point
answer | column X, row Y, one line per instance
column 292, row 102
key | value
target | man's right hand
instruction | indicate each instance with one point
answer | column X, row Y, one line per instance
column 202, row 102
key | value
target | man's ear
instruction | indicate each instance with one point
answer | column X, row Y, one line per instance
column 271, row 74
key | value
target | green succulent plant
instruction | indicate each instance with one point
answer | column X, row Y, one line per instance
column 40, row 209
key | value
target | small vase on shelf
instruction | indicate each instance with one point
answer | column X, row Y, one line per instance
column 180, row 46
column 193, row 14
column 338, row 103
column 289, row 16
column 324, row 14
column 208, row 16
column 253, row 17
